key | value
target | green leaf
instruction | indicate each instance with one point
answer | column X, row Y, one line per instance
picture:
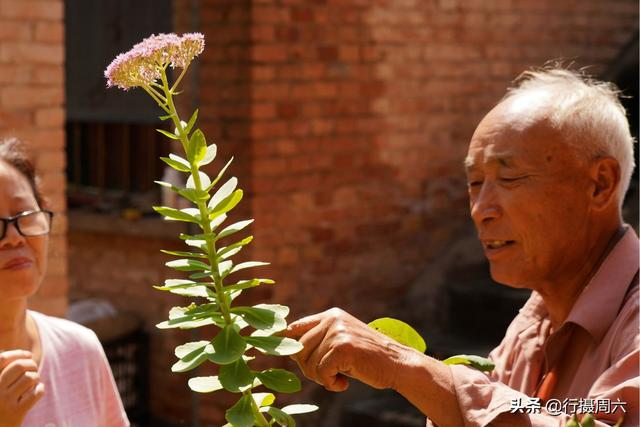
column 195, row 291
column 176, row 283
column 477, row 362
column 236, row 377
column 588, row 421
column 188, row 363
column 179, row 318
column 194, row 348
column 190, row 323
column 301, row 408
column 217, row 221
column 573, row 421
column 280, row 380
column 204, row 181
column 225, row 267
column 202, row 275
column 227, row 347
column 233, row 228
column 179, row 165
column 203, row 309
column 278, row 346
column 241, row 414
column 186, row 264
column 399, row 331
column 175, row 214
column 197, row 147
column 210, row 155
column 263, row 399
column 247, row 264
column 227, row 251
column 220, row 174
column 281, row 417
column 223, row 192
column 246, row 284
column 193, row 195
column 262, row 317
column 167, row 117
column 192, row 121
column 227, row 204
column 182, row 253
column 205, row 384
column 168, row 134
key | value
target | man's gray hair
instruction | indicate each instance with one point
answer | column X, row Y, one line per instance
column 587, row 111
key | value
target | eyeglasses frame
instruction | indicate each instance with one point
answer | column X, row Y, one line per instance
column 14, row 219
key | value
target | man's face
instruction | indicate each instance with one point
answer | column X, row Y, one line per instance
column 529, row 199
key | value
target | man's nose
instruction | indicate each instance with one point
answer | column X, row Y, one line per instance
column 485, row 205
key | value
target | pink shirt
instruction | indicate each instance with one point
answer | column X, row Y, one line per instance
column 79, row 388
column 596, row 349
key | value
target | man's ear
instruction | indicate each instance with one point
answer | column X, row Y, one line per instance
column 605, row 178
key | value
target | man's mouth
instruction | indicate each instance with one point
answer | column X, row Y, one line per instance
column 497, row 244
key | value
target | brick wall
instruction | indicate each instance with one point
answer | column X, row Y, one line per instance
column 349, row 120
column 32, row 109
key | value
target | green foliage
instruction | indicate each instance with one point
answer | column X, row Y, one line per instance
column 208, row 261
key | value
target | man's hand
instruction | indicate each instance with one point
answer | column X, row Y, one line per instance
column 20, row 386
column 337, row 345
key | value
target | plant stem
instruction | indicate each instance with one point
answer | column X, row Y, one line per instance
column 202, row 206
column 257, row 415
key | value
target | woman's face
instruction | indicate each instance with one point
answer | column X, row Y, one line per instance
column 23, row 260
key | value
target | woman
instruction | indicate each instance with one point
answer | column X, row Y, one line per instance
column 52, row 372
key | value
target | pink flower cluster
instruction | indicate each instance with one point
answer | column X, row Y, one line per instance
column 143, row 64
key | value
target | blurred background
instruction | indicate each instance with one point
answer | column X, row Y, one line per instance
column 348, row 120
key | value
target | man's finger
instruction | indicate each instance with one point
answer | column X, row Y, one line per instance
column 330, row 376
column 9, row 356
column 300, row 327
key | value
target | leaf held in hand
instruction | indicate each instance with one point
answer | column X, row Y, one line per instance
column 480, row 363
column 399, row 331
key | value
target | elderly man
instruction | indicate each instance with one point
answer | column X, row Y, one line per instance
column 547, row 172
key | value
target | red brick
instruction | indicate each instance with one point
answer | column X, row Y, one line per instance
column 48, row 74
column 35, row 53
column 288, row 110
column 263, row 110
column 14, row 31
column 301, row 14
column 49, row 32
column 12, row 120
column 263, row 33
column 22, row 97
column 269, row 53
column 327, row 53
column 269, row 14
column 267, row 130
column 50, row 117
column 34, row 10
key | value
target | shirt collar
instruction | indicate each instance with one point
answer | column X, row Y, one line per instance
column 601, row 300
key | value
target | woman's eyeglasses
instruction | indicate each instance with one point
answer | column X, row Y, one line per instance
column 29, row 223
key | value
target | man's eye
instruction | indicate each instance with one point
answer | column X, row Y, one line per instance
column 511, row 179
column 474, row 183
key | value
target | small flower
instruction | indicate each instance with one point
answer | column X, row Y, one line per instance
column 143, row 64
